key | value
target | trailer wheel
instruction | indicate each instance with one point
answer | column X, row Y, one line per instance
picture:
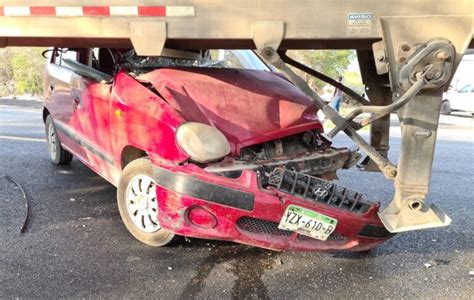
column 138, row 206
column 58, row 154
column 445, row 107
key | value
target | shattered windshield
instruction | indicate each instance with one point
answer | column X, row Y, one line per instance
column 237, row 59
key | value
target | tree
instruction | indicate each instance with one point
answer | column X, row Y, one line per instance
column 21, row 71
column 6, row 72
column 332, row 63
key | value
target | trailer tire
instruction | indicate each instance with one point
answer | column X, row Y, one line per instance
column 57, row 153
column 138, row 206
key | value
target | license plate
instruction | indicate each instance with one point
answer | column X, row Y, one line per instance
column 307, row 222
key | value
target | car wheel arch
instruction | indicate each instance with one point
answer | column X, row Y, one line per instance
column 129, row 154
column 46, row 113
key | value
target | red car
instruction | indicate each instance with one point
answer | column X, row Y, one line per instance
column 210, row 145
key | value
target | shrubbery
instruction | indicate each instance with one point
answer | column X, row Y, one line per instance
column 21, row 71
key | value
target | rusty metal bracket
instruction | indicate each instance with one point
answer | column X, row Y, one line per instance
column 268, row 33
column 148, row 38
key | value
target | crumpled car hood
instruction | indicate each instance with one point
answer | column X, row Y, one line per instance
column 247, row 106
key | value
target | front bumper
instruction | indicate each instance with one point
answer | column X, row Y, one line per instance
column 244, row 212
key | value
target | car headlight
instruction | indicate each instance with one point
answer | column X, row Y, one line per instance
column 202, row 142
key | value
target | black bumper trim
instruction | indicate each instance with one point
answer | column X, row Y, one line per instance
column 187, row 185
column 376, row 232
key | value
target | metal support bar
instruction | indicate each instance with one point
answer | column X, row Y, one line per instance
column 381, row 111
column 351, row 93
column 271, row 56
column 408, row 210
column 377, row 89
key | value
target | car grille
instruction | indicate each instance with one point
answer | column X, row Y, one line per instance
column 261, row 226
column 318, row 190
column 267, row 227
column 334, row 237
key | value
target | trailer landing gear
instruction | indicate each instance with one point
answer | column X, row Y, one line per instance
column 420, row 63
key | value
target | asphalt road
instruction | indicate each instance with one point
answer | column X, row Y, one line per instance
column 76, row 246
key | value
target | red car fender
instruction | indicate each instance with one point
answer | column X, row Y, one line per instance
column 137, row 111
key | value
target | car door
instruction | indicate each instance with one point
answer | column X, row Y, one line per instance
column 92, row 115
column 59, row 100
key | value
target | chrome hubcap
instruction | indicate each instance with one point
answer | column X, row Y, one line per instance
column 141, row 203
column 51, row 142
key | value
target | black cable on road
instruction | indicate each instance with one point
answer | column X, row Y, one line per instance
column 25, row 221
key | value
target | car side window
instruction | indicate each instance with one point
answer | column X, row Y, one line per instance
column 60, row 54
column 80, row 61
column 465, row 89
column 238, row 59
column 103, row 60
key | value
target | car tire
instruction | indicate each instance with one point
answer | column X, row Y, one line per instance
column 445, row 107
column 57, row 153
column 137, row 203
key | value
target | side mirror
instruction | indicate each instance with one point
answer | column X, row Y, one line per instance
column 45, row 53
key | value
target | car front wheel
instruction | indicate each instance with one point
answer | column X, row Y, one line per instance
column 138, row 205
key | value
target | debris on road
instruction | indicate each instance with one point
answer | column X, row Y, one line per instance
column 436, row 262
column 441, row 262
column 18, row 186
column 278, row 261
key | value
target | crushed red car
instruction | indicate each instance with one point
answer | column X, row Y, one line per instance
column 209, row 145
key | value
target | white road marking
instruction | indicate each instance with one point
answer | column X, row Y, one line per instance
column 20, row 138
column 19, row 109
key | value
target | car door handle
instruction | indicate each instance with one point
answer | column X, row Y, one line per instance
column 76, row 100
column 51, row 87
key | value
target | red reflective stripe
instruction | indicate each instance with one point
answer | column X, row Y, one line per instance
column 155, row 11
column 144, row 11
column 42, row 10
column 96, row 11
